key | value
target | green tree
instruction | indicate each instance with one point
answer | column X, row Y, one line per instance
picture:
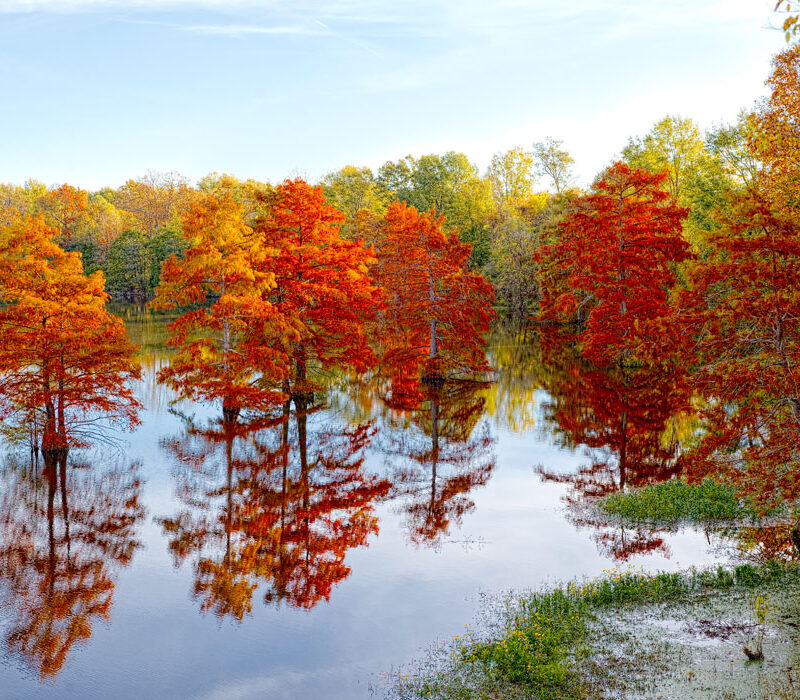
column 352, row 190
column 511, row 175
column 127, row 274
column 728, row 143
column 554, row 162
column 167, row 242
column 446, row 185
column 695, row 177
column 86, row 244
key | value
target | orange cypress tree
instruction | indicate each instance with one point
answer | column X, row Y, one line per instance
column 322, row 292
column 225, row 271
column 776, row 138
column 64, row 360
column 64, row 207
column 438, row 312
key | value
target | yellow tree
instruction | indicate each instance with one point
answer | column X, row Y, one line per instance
column 225, row 272
column 512, row 175
column 153, row 199
column 777, row 137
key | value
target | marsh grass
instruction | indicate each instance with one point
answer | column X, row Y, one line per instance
column 675, row 501
column 548, row 645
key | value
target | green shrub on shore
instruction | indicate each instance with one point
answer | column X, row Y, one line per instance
column 674, row 501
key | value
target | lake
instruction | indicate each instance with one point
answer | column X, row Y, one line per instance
column 307, row 553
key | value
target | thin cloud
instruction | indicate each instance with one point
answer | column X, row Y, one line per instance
column 70, row 6
column 234, row 30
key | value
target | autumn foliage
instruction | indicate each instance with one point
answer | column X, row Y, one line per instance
column 745, row 303
column 776, row 138
column 66, row 536
column 743, row 306
column 447, row 454
column 224, row 274
column 616, row 264
column 291, row 500
column 65, row 362
column 322, row 293
column 63, row 208
column 438, row 311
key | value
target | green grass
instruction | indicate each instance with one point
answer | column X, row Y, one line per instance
column 546, row 645
column 674, row 501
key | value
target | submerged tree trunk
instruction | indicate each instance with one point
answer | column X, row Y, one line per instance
column 229, row 426
column 230, row 410
column 50, row 474
column 434, row 350
column 62, row 477
column 434, row 456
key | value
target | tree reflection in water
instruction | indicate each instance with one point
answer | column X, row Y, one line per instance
column 274, row 502
column 442, row 456
column 633, row 424
column 64, row 535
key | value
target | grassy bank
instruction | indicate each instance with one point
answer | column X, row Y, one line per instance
column 571, row 641
column 675, row 501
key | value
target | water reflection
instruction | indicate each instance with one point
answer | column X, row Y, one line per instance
column 66, row 532
column 269, row 508
column 441, row 456
column 273, row 503
column 762, row 544
column 632, row 424
column 511, row 398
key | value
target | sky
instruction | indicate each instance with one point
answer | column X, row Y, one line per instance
column 95, row 92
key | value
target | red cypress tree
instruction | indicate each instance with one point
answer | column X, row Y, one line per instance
column 619, row 248
column 745, row 304
column 322, row 293
column 438, row 312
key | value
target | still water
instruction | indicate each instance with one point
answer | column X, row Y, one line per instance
column 307, row 554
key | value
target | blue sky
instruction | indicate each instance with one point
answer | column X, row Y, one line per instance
column 96, row 91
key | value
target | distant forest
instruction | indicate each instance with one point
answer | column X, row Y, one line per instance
column 506, row 214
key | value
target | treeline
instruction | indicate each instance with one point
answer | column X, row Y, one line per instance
column 696, row 266
column 686, row 251
column 506, row 214
column 269, row 294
